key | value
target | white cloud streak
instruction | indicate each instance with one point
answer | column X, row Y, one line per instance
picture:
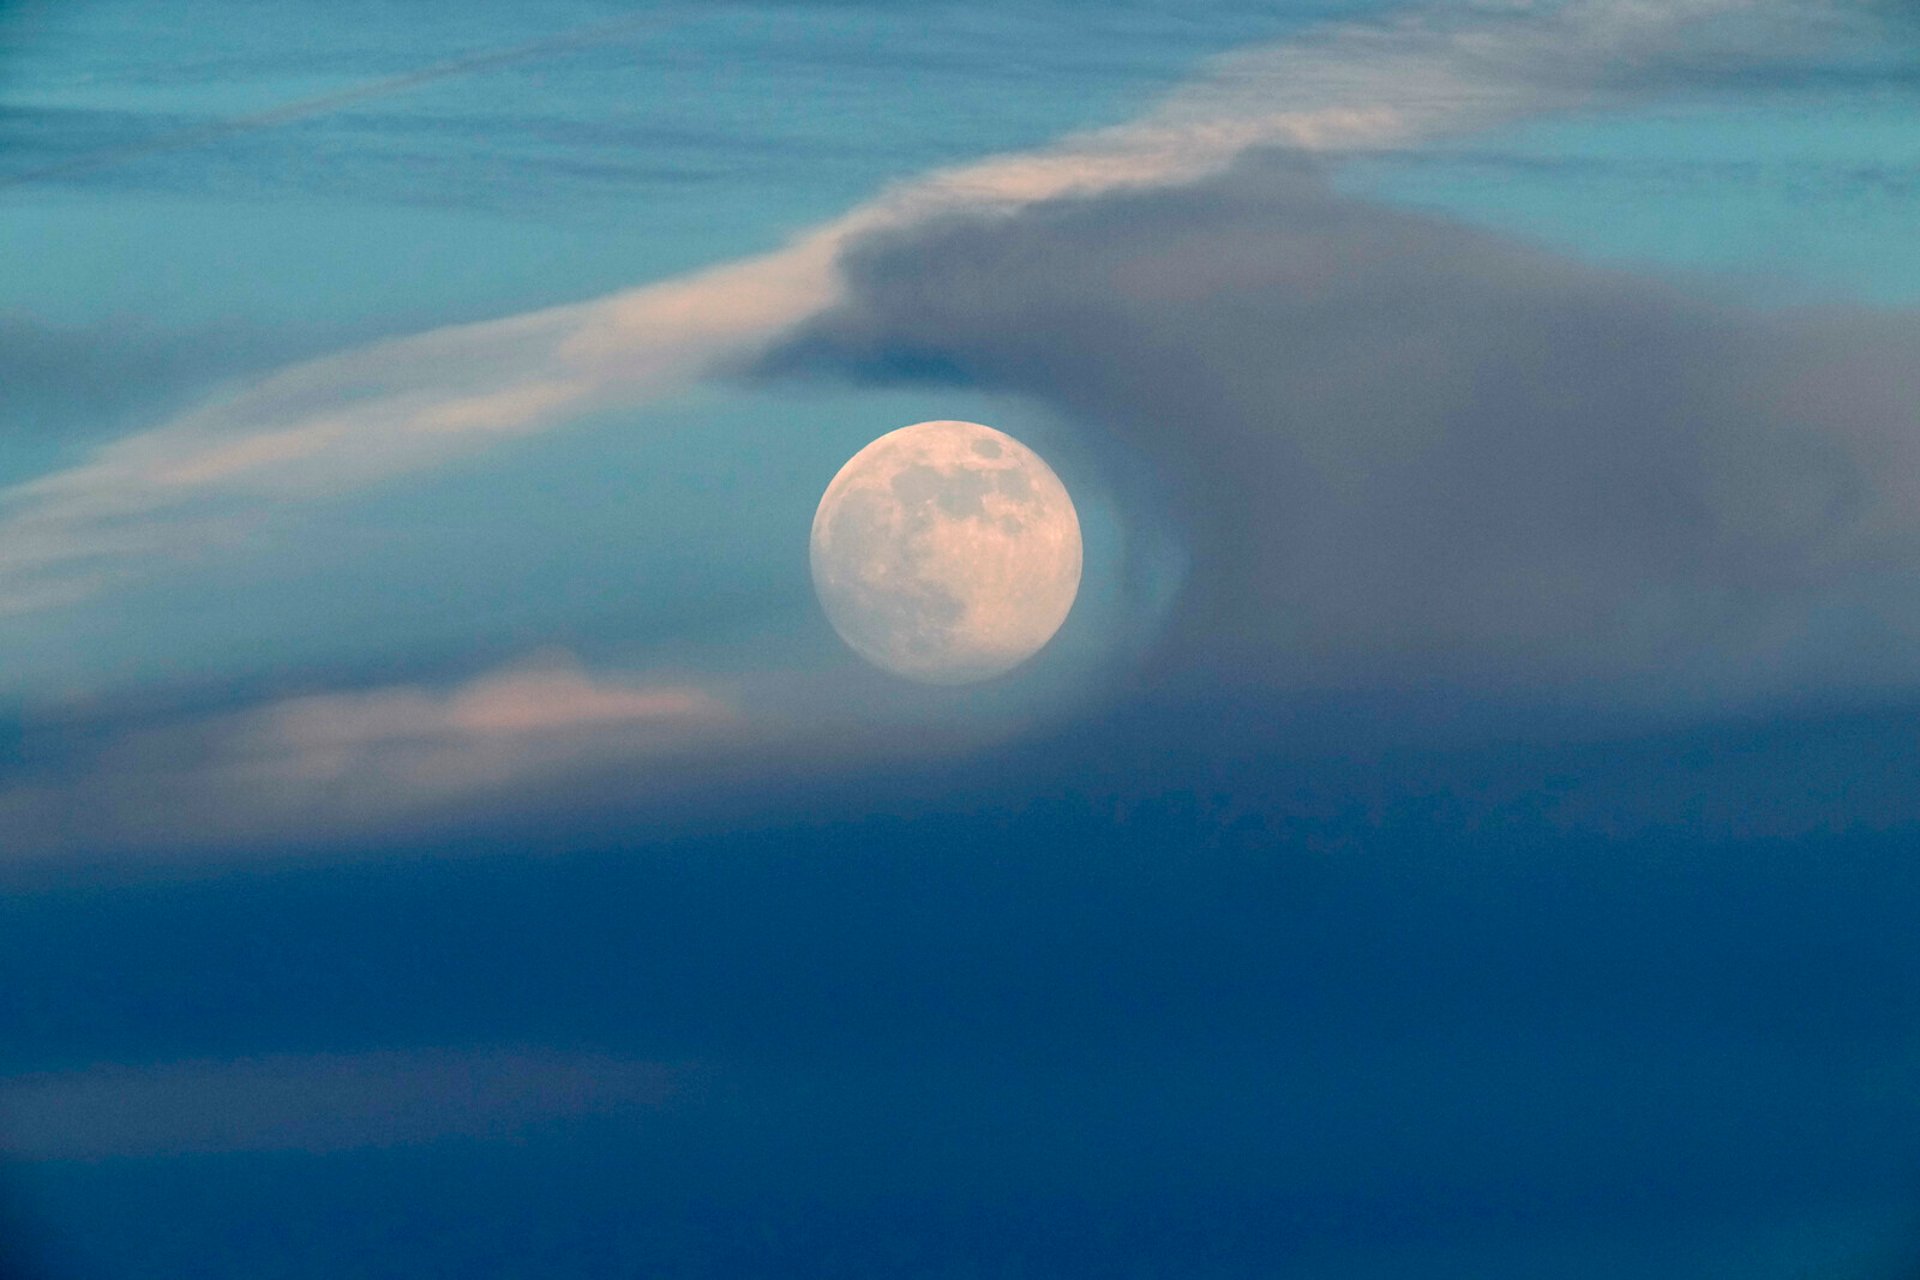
column 328, row 426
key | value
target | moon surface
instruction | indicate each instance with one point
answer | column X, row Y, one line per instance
column 946, row 552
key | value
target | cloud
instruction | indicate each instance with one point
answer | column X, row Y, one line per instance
column 481, row 732
column 1404, row 451
column 317, row 1102
column 542, row 746
column 339, row 763
column 326, row 426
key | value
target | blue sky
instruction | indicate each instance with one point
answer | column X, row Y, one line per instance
column 1463, row 827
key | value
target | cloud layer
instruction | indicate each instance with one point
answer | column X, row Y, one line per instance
column 1408, row 451
column 330, row 425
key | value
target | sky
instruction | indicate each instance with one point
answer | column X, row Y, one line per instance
column 1464, row 827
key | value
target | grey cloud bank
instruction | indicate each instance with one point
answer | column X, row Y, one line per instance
column 1403, row 451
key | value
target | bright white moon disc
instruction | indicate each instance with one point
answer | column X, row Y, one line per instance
column 946, row 552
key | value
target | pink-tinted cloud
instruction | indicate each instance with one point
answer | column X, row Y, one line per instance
column 366, row 760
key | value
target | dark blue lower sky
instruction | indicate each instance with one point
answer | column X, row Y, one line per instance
column 1149, row 997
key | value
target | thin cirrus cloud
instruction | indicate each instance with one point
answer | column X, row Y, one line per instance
column 326, row 426
column 325, row 103
column 350, row 762
column 332, row 735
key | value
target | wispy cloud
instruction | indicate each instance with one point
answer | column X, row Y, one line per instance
column 335, row 100
column 481, row 732
column 544, row 742
column 327, row 426
column 336, row 763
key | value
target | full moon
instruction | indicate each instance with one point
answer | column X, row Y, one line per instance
column 946, row 552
